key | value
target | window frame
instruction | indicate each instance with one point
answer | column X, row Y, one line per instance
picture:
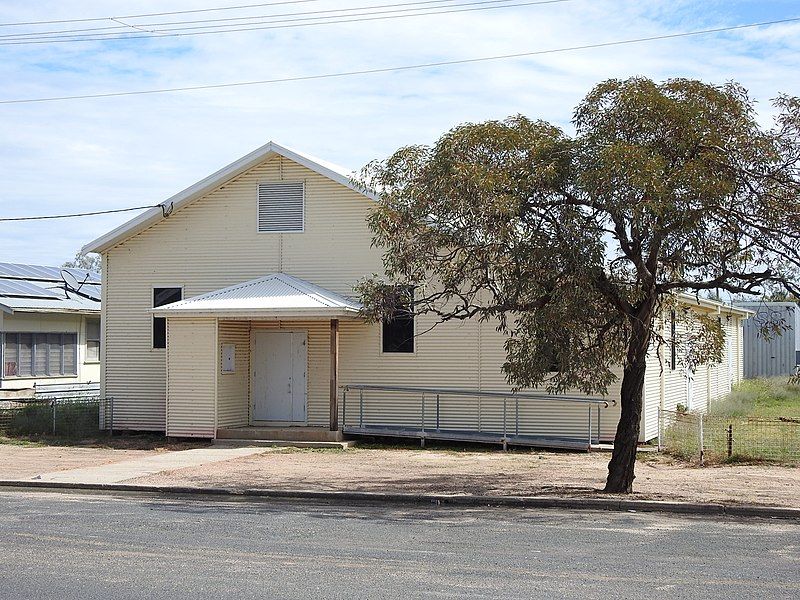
column 47, row 374
column 153, row 317
column 413, row 352
column 302, row 183
column 99, row 340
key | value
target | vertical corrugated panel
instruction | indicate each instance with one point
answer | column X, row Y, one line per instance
column 233, row 389
column 191, row 369
column 776, row 356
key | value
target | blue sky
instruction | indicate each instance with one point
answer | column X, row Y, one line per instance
column 97, row 154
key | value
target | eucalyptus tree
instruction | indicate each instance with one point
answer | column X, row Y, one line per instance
column 574, row 244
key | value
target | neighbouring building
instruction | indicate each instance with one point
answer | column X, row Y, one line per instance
column 50, row 324
column 773, row 355
column 233, row 308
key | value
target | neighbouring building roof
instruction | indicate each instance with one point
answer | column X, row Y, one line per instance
column 36, row 288
column 201, row 188
column 715, row 305
column 276, row 295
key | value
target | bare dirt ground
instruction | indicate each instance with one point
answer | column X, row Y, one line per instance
column 26, row 459
column 488, row 472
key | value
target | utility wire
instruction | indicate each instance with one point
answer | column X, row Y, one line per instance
column 405, row 67
column 88, row 214
column 158, row 14
column 420, row 4
column 280, row 24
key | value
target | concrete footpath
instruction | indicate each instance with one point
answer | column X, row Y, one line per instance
column 142, row 467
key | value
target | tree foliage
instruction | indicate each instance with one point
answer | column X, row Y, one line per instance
column 88, row 262
column 575, row 244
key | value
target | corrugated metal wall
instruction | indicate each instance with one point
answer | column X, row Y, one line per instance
column 233, row 389
column 211, row 244
column 214, row 243
column 191, row 377
column 777, row 356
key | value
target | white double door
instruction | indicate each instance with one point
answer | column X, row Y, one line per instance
column 280, row 375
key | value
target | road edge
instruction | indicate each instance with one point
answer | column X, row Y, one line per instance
column 611, row 503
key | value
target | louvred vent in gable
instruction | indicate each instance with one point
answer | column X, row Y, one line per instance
column 280, row 206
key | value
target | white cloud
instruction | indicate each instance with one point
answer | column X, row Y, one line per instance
column 118, row 152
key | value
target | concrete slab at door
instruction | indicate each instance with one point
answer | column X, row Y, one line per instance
column 279, row 377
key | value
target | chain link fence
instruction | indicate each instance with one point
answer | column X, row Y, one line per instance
column 709, row 438
column 70, row 417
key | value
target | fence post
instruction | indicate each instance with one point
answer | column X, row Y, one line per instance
column 702, row 449
column 730, row 440
column 437, row 412
column 54, row 416
column 111, row 424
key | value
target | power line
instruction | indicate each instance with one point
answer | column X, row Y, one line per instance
column 281, row 24
column 404, row 67
column 158, row 14
column 88, row 214
column 419, row 3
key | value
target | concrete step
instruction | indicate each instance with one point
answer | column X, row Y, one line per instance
column 289, row 434
column 229, row 443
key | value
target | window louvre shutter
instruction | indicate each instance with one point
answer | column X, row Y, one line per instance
column 280, row 206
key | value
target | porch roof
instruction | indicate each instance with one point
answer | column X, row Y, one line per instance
column 275, row 295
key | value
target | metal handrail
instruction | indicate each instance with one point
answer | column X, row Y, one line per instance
column 457, row 392
column 438, row 392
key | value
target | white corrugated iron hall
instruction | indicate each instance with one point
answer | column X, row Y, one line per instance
column 231, row 313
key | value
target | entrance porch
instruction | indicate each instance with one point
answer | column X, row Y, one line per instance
column 259, row 360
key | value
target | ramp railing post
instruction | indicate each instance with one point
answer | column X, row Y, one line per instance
column 361, row 408
column 598, row 425
column 344, row 408
column 422, row 423
column 505, row 437
column 659, row 428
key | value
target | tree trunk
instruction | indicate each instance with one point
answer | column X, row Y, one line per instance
column 623, row 458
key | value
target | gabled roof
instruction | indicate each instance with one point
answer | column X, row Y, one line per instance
column 36, row 288
column 276, row 295
column 154, row 215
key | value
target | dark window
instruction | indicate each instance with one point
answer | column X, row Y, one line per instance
column 162, row 296
column 673, row 342
column 398, row 331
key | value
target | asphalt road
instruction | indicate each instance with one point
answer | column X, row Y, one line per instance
column 86, row 546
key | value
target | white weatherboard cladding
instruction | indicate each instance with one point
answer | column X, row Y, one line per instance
column 191, row 378
column 280, row 206
column 33, row 322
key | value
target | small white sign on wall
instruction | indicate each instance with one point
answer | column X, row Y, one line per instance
column 228, row 358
